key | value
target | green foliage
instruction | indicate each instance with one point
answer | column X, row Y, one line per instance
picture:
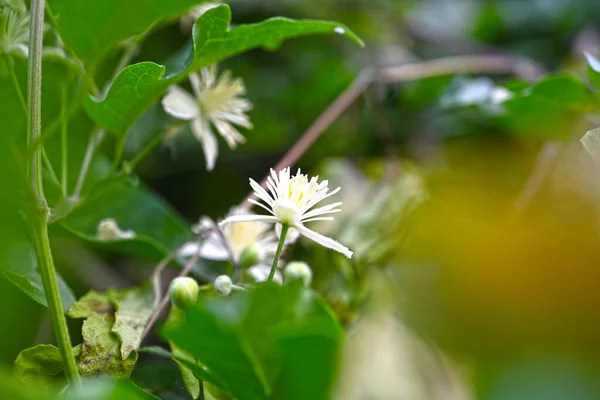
column 112, row 330
column 37, row 363
column 262, row 343
column 138, row 85
column 159, row 230
column 91, row 28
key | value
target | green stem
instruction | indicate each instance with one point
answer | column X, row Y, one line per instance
column 49, row 167
column 59, row 323
column 95, row 138
column 39, row 222
column 144, row 152
column 284, row 231
column 64, row 159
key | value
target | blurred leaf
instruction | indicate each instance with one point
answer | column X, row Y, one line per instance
column 13, row 389
column 161, row 379
column 106, row 389
column 591, row 143
column 593, row 69
column 192, row 384
column 134, row 307
column 138, row 85
column 18, row 265
column 262, row 342
column 158, row 228
column 565, row 89
column 91, row 28
column 37, row 363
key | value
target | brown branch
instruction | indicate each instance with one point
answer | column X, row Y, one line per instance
column 490, row 64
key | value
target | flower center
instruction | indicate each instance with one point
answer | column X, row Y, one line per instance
column 286, row 211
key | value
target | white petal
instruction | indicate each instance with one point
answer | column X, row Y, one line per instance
column 195, row 81
column 261, row 193
column 180, row 104
column 323, row 210
column 258, row 203
column 214, row 249
column 248, row 218
column 260, row 273
column 290, row 238
column 188, row 249
column 210, row 146
column 324, row 240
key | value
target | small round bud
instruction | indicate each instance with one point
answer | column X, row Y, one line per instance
column 183, row 292
column 297, row 270
column 252, row 255
column 223, row 285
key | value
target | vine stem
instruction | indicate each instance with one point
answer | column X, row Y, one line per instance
column 284, row 231
column 39, row 222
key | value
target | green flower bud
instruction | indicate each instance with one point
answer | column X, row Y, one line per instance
column 223, row 285
column 183, row 292
column 252, row 255
column 297, row 270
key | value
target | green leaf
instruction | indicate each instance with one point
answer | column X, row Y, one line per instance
column 134, row 307
column 139, row 85
column 160, row 378
column 91, row 28
column 259, row 342
column 593, row 69
column 158, row 228
column 13, row 389
column 106, row 389
column 591, row 143
column 18, row 265
column 38, row 363
column 100, row 351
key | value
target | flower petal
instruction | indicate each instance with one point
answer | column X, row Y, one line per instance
column 248, row 218
column 202, row 132
column 180, row 104
column 324, row 240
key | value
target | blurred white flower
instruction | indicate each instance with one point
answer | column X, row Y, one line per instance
column 260, row 273
column 108, row 230
column 187, row 21
column 239, row 237
column 14, row 28
column 217, row 101
column 290, row 202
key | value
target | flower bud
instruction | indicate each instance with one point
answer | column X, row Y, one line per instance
column 183, row 292
column 252, row 255
column 223, row 285
column 108, row 230
column 297, row 270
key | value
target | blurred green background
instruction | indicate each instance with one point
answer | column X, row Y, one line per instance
column 500, row 284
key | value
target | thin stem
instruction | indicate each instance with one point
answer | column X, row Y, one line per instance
column 49, row 167
column 64, row 158
column 59, row 323
column 15, row 82
column 162, row 304
column 39, row 222
column 284, row 231
column 145, row 151
column 95, row 139
column 34, row 96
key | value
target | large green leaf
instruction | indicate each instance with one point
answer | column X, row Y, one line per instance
column 91, row 28
column 261, row 343
column 158, row 228
column 138, row 85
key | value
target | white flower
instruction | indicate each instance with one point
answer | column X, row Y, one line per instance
column 187, row 21
column 218, row 102
column 239, row 237
column 14, row 28
column 108, row 230
column 291, row 201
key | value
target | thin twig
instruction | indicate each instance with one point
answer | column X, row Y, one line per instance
column 165, row 299
column 490, row 64
column 548, row 154
column 95, row 139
